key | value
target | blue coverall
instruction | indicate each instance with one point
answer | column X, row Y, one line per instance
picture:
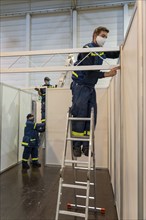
column 83, row 91
column 43, row 102
column 31, row 140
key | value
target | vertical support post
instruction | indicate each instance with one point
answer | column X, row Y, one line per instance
column 144, row 108
column 140, row 111
column 1, row 99
column 19, row 93
column 121, row 133
column 28, row 44
column 126, row 18
column 74, row 27
column 115, row 147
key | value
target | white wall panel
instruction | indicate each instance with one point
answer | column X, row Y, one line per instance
column 8, row 6
column 130, row 125
column 102, row 2
column 49, row 31
column 12, row 33
column 9, row 132
column 112, row 133
column 44, row 4
column 112, row 18
column 117, row 144
column 56, row 121
column 12, row 38
column 114, row 137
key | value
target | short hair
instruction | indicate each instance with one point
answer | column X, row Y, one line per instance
column 98, row 30
column 29, row 116
column 47, row 78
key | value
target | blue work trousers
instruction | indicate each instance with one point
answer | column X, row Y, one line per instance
column 83, row 99
column 30, row 151
column 43, row 111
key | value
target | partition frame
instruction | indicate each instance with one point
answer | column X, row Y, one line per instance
column 144, row 110
column 140, row 108
column 121, row 136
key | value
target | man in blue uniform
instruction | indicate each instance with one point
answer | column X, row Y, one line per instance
column 42, row 93
column 83, row 91
column 31, row 142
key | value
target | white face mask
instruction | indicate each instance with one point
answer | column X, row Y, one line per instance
column 100, row 40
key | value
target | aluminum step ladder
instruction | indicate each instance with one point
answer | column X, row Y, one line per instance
column 77, row 165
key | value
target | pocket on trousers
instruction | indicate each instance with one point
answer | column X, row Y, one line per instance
column 25, row 141
column 32, row 142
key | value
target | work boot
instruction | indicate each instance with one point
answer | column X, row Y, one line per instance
column 77, row 151
column 25, row 166
column 36, row 164
column 85, row 151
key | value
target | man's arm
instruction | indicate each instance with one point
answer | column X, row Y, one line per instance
column 40, row 127
column 39, row 91
column 112, row 72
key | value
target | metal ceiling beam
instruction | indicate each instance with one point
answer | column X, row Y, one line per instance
column 57, row 51
column 56, row 69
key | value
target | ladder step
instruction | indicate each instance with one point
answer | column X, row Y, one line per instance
column 102, row 210
column 77, row 139
column 84, row 197
column 76, row 214
column 76, row 161
column 74, row 186
column 79, row 119
column 82, row 168
column 84, row 183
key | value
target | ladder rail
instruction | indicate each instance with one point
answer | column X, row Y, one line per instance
column 94, row 165
column 73, row 158
column 62, row 169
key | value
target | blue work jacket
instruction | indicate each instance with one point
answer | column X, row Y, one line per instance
column 43, row 91
column 31, row 133
column 91, row 77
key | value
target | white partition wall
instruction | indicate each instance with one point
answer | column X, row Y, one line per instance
column 129, row 122
column 114, row 137
column 9, row 127
column 58, row 103
column 15, row 105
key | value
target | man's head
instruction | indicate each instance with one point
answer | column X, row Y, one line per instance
column 30, row 117
column 46, row 80
column 100, row 35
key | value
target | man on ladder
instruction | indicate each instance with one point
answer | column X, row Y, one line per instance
column 83, row 91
